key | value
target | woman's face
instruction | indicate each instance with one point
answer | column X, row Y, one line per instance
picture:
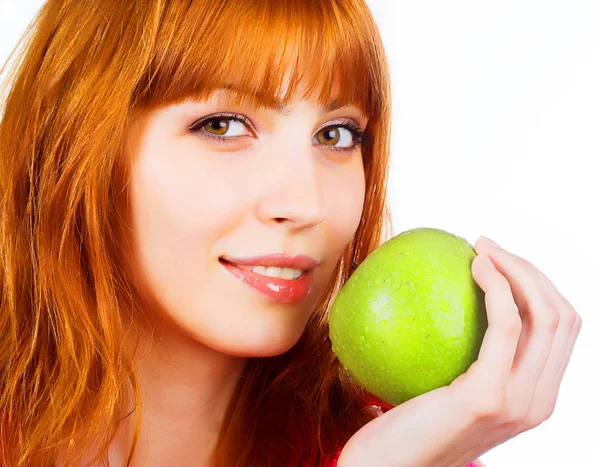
column 275, row 185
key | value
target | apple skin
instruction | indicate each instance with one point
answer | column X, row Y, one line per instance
column 411, row 318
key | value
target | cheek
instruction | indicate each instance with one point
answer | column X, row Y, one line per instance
column 179, row 209
column 186, row 195
column 346, row 199
column 178, row 214
column 344, row 210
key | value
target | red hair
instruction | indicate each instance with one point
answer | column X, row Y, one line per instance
column 85, row 72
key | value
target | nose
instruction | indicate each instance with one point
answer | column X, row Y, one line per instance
column 292, row 192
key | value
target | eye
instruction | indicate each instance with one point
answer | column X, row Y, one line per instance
column 217, row 126
column 350, row 137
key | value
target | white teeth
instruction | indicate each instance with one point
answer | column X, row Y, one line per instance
column 272, row 271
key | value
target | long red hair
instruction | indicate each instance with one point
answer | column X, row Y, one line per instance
column 82, row 73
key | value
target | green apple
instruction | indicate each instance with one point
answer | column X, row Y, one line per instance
column 411, row 318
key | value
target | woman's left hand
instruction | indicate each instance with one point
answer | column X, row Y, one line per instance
column 511, row 388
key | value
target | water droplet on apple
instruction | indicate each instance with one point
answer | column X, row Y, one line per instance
column 383, row 322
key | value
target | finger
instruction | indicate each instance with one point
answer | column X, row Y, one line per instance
column 558, row 377
column 524, row 288
column 542, row 280
column 544, row 390
column 542, row 320
column 552, row 293
column 562, row 348
column 549, row 290
column 498, row 348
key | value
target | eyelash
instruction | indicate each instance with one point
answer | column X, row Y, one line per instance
column 198, row 128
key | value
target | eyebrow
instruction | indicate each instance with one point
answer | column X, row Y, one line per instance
column 278, row 106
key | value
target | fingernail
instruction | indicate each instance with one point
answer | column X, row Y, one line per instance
column 494, row 244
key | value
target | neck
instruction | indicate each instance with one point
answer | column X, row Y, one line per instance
column 186, row 388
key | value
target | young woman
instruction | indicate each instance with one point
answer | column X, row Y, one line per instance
column 152, row 153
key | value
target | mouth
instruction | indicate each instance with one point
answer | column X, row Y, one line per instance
column 272, row 282
column 270, row 271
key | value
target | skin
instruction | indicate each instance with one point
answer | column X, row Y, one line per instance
column 191, row 200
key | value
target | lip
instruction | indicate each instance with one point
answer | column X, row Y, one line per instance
column 274, row 288
column 280, row 260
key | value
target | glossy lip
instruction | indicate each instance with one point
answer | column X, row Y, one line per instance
column 280, row 260
column 274, row 288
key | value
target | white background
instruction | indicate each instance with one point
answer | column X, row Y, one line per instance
column 496, row 132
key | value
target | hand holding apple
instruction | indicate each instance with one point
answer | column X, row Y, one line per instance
column 511, row 388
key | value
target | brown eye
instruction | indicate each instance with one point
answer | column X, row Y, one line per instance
column 329, row 135
column 344, row 137
column 217, row 126
column 222, row 127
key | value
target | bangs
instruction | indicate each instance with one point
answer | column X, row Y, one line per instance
column 258, row 48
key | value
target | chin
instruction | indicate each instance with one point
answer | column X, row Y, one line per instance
column 269, row 346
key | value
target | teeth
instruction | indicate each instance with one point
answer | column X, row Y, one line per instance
column 272, row 271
